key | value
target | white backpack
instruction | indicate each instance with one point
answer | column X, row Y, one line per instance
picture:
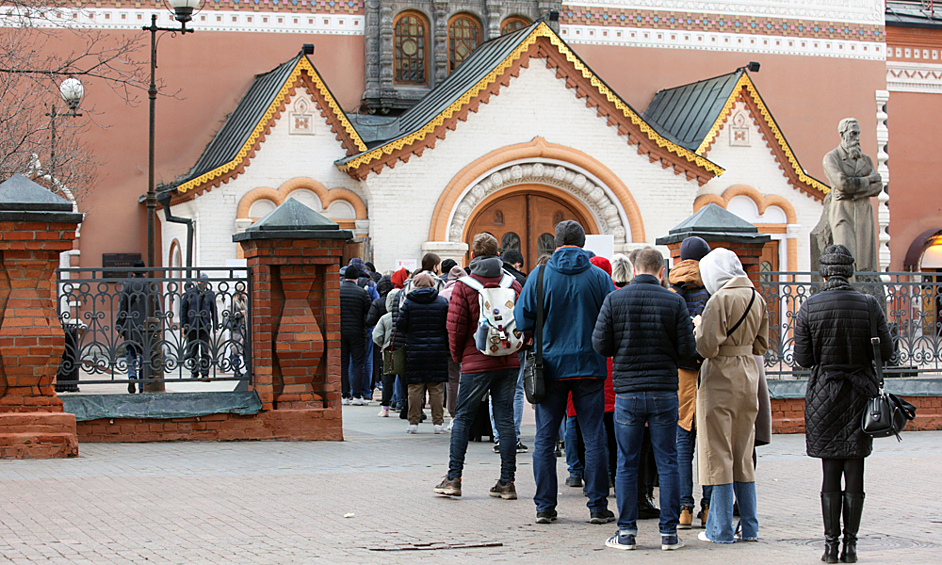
column 497, row 333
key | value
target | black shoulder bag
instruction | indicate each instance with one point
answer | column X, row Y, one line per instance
column 534, row 384
column 886, row 414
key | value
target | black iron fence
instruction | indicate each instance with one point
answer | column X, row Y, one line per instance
column 912, row 303
column 154, row 325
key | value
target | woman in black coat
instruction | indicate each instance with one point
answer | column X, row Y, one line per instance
column 422, row 320
column 832, row 337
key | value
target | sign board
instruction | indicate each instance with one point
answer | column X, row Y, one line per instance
column 118, row 265
column 601, row 245
column 409, row 264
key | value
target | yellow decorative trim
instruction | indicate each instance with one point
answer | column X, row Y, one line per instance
column 542, row 30
column 303, row 65
column 746, row 82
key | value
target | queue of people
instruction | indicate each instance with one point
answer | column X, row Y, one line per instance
column 640, row 365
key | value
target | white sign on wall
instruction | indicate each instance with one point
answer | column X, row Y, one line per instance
column 601, row 245
column 409, row 264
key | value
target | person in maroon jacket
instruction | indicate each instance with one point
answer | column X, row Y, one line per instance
column 480, row 373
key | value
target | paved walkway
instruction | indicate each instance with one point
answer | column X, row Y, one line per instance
column 369, row 500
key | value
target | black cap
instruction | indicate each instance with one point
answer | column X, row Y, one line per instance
column 570, row 232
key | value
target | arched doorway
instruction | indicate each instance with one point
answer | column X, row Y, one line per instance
column 525, row 218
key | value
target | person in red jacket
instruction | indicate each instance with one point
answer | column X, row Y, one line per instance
column 480, row 373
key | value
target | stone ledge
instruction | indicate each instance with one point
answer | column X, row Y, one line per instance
column 160, row 405
column 911, row 386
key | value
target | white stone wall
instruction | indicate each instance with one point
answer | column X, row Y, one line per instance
column 281, row 157
column 754, row 165
column 536, row 104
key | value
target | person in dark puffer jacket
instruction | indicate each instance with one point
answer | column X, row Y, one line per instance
column 354, row 305
column 422, row 320
column 647, row 329
column 832, row 337
column 685, row 281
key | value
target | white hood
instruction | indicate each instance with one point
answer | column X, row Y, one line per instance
column 717, row 268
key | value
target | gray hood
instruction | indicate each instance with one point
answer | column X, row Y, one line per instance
column 391, row 299
column 718, row 267
column 489, row 266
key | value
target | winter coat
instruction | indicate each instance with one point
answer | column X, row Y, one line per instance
column 463, row 312
column 685, row 280
column 521, row 277
column 764, row 417
column 198, row 310
column 573, row 292
column 354, row 305
column 383, row 331
column 377, row 310
column 727, row 400
column 422, row 320
column 832, row 337
column 132, row 308
column 647, row 330
column 399, row 340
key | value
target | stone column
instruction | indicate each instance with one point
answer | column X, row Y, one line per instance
column 35, row 227
column 492, row 26
column 386, row 56
column 294, row 257
column 372, row 22
column 883, row 199
column 439, row 43
column 446, row 250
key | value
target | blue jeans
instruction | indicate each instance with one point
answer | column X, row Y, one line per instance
column 659, row 411
column 686, row 443
column 719, row 526
column 573, row 439
column 471, row 390
column 368, row 366
column 588, row 397
column 518, row 403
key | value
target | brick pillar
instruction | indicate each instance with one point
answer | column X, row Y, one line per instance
column 35, row 226
column 749, row 253
column 294, row 256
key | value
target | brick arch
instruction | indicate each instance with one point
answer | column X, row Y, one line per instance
column 538, row 147
column 762, row 201
column 326, row 196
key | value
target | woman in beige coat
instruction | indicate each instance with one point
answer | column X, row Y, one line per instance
column 734, row 328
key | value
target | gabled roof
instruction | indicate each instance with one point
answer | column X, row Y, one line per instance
column 245, row 128
column 491, row 66
column 692, row 115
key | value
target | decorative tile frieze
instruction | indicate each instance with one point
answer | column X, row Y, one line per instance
column 867, row 11
column 913, row 77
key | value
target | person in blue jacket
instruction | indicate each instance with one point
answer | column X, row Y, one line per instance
column 573, row 292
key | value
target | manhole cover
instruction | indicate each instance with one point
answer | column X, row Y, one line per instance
column 871, row 542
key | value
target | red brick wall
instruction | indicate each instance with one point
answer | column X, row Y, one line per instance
column 749, row 254
column 788, row 414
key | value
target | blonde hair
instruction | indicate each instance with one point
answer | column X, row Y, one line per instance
column 621, row 268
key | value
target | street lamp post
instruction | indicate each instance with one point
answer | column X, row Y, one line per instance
column 182, row 12
column 71, row 91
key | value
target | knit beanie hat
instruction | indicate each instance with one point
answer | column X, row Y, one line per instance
column 570, row 232
column 424, row 279
column 694, row 248
column 602, row 263
column 836, row 261
column 350, row 273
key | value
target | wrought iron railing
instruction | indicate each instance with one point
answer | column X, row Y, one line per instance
column 912, row 303
column 159, row 325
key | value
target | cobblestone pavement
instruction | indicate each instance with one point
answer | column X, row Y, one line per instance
column 369, row 500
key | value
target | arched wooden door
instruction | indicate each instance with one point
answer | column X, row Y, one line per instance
column 526, row 222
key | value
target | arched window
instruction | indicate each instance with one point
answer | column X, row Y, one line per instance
column 410, row 44
column 513, row 23
column 464, row 35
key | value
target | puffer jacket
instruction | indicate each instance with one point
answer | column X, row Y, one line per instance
column 574, row 290
column 832, row 337
column 354, row 305
column 383, row 331
column 463, row 313
column 399, row 340
column 685, row 280
column 422, row 320
column 647, row 330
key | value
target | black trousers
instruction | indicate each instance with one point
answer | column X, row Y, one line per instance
column 851, row 469
column 197, row 352
column 351, row 379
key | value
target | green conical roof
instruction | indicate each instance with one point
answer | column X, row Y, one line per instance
column 714, row 223
column 292, row 215
column 20, row 193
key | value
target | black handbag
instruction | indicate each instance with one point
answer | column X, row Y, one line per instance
column 534, row 384
column 886, row 414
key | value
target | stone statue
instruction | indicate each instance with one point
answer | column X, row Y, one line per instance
column 847, row 218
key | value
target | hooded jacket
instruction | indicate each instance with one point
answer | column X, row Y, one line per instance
column 354, row 305
column 647, row 330
column 383, row 331
column 463, row 313
column 422, row 320
column 685, row 280
column 573, row 293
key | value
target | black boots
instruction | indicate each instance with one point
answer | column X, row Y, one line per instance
column 831, row 511
column 853, row 508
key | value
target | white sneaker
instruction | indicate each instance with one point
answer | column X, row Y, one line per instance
column 384, row 412
column 359, row 402
column 412, row 429
column 345, row 402
column 437, row 429
column 450, row 426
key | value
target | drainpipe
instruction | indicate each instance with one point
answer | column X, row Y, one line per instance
column 164, row 199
